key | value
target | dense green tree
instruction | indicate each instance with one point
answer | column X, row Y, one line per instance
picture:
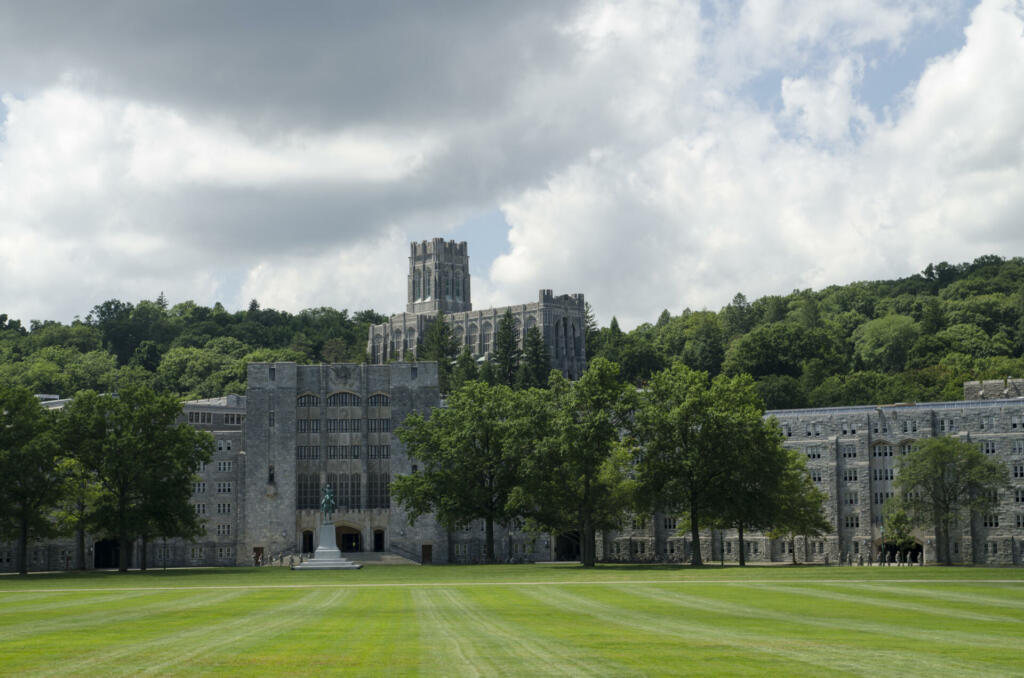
column 470, row 465
column 140, row 458
column 690, row 429
column 945, row 480
column 28, row 465
column 465, row 369
column 753, row 486
column 439, row 344
column 799, row 511
column 506, row 354
column 884, row 344
column 536, row 364
column 576, row 471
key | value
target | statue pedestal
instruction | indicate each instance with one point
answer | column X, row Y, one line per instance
column 327, row 556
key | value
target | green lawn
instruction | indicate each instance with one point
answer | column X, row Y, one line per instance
column 522, row 620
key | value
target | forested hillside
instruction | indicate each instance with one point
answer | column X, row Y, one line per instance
column 186, row 349
column 912, row 339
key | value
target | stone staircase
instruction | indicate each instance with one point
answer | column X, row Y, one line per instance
column 379, row 558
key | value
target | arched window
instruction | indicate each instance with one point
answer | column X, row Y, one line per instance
column 485, row 337
column 426, row 283
column 343, row 399
column 458, row 285
column 417, row 284
column 307, row 400
column 378, row 400
column 447, row 282
column 471, row 338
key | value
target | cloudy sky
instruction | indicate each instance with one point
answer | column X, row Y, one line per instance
column 648, row 154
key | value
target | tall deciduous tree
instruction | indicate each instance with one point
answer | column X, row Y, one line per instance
column 142, row 460
column 945, row 480
column 800, row 509
column 577, row 476
column 28, row 465
column 469, row 466
column 690, row 430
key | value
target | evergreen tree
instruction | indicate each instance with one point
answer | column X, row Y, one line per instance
column 536, row 365
column 465, row 370
column 439, row 344
column 506, row 350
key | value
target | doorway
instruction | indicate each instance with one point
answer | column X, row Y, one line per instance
column 348, row 539
column 378, row 540
column 567, row 546
column 105, row 554
column 307, row 541
column 426, row 554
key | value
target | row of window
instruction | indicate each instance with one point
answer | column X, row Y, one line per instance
column 343, row 399
column 200, row 508
column 946, row 425
column 222, row 487
column 230, row 418
column 343, row 425
column 883, row 473
column 347, row 489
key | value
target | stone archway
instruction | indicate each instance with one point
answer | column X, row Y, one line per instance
column 105, row 554
column 349, row 539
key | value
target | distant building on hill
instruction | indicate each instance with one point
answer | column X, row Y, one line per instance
column 439, row 280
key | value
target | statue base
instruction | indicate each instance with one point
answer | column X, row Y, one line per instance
column 327, row 556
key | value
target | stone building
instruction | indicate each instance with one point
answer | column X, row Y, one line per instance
column 439, row 280
column 852, row 455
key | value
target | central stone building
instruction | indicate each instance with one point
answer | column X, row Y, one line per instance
column 439, row 281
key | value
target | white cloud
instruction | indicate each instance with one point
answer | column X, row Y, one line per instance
column 620, row 141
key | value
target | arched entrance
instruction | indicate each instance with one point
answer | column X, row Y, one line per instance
column 105, row 553
column 307, row 541
column 567, row 546
column 348, row 538
column 378, row 540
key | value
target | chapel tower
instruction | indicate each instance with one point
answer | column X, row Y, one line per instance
column 438, row 277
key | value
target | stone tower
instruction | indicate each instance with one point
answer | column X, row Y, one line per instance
column 438, row 277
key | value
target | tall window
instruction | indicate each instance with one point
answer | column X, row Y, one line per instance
column 307, row 400
column 306, row 496
column 343, row 399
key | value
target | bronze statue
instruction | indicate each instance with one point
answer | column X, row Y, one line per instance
column 327, row 503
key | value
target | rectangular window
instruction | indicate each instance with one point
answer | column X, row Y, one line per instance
column 849, row 451
column 307, row 452
column 223, row 508
column 270, row 418
column 307, row 425
column 1018, row 496
column 223, row 551
column 851, row 498
column 224, row 466
column 224, row 530
column 988, row 446
column 1020, row 520
column 461, row 550
column 991, row 520
column 787, row 430
column 1016, row 421
column 850, row 475
column 224, row 487
column 816, row 475
column 200, row 467
column 233, row 419
column 670, row 523
column 199, row 488
column 906, row 449
column 1018, row 448
column 852, row 521
column 198, row 553
column 1018, row 470
column 200, row 509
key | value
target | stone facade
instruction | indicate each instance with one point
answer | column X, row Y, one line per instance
column 308, row 425
column 852, row 455
column 439, row 281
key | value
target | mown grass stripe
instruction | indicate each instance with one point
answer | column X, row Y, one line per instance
column 806, row 652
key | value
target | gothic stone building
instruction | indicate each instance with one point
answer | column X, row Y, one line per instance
column 439, row 280
column 852, row 455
